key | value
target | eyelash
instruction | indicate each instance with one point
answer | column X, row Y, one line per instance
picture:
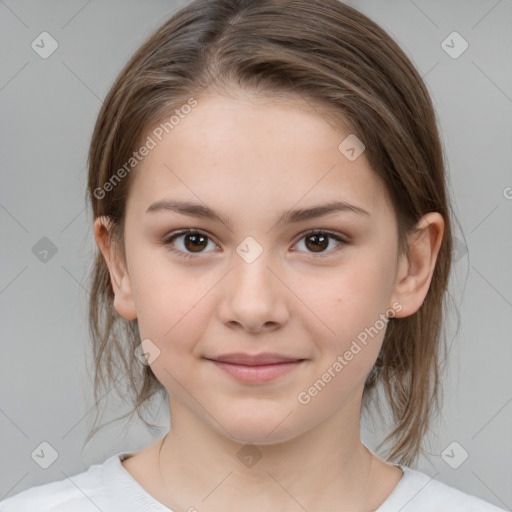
column 172, row 236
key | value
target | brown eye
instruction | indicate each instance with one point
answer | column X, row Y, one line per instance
column 195, row 242
column 192, row 242
column 317, row 243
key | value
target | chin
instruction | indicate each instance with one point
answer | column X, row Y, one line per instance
column 254, row 426
column 259, row 437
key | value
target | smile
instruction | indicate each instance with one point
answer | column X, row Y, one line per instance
column 255, row 369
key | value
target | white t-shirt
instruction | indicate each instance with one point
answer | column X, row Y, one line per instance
column 109, row 487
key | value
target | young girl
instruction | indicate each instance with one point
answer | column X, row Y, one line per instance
column 274, row 234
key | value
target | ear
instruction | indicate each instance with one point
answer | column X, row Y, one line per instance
column 123, row 301
column 416, row 269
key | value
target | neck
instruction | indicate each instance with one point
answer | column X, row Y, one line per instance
column 327, row 467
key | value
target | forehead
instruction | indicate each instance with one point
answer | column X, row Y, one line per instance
column 251, row 153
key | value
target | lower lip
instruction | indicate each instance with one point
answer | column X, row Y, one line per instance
column 259, row 373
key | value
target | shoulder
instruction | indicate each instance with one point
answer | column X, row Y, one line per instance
column 418, row 492
column 80, row 493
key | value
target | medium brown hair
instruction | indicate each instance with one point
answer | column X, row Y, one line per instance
column 338, row 60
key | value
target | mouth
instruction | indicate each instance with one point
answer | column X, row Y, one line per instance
column 255, row 368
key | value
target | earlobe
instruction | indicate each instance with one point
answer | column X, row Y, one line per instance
column 416, row 269
column 123, row 295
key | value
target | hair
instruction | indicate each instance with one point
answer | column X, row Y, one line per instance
column 340, row 62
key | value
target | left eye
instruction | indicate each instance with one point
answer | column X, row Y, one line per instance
column 195, row 241
column 318, row 240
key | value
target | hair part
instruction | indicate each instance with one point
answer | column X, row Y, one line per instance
column 343, row 65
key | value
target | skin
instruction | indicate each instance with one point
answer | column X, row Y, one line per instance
column 251, row 160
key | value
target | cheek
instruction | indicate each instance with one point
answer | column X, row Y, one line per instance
column 172, row 317
column 347, row 301
column 352, row 308
column 168, row 305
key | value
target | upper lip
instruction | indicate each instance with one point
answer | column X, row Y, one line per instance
column 254, row 359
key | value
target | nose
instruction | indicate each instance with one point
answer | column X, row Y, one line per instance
column 254, row 297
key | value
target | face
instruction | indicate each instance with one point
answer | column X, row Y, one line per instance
column 310, row 292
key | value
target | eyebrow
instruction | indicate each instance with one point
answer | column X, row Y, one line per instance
column 288, row 217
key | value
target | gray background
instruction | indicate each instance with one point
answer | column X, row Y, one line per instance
column 48, row 108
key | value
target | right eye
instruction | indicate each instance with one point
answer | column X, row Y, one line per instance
column 192, row 240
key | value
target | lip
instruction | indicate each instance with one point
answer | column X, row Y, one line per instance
column 254, row 359
column 255, row 368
